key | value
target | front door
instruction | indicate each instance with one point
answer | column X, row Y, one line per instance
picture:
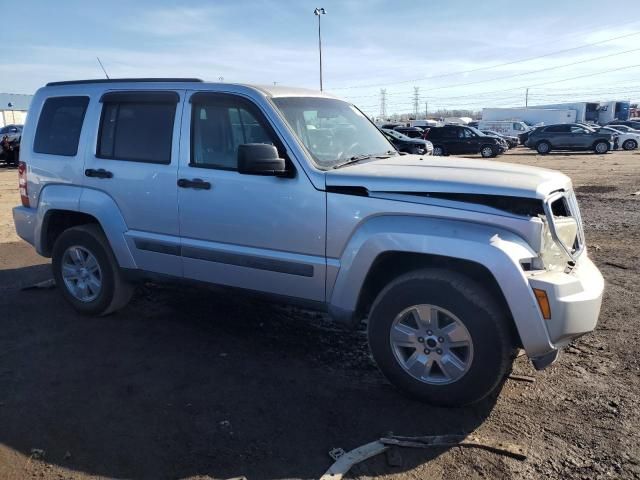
column 134, row 160
column 262, row 233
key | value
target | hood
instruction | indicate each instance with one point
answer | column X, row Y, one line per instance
column 417, row 174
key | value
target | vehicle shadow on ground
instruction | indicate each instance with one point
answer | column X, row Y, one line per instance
column 186, row 381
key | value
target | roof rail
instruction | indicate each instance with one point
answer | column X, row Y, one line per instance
column 123, row 80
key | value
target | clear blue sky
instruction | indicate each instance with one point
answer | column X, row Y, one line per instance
column 368, row 45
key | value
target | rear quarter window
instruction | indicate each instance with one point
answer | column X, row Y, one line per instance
column 59, row 125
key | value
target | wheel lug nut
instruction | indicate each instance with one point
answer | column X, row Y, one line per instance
column 440, row 339
column 420, row 339
column 429, row 332
column 439, row 351
column 427, row 351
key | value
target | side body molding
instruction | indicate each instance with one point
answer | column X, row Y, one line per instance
column 92, row 202
column 500, row 251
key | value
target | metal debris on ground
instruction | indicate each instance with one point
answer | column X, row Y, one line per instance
column 522, row 378
column 336, row 453
column 345, row 461
column 471, row 441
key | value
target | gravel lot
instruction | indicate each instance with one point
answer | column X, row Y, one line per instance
column 187, row 382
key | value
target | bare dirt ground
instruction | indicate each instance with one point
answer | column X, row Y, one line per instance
column 190, row 383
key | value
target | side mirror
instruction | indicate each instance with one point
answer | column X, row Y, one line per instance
column 260, row 159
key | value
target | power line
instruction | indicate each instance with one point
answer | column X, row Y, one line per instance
column 491, row 66
column 531, row 72
column 383, row 103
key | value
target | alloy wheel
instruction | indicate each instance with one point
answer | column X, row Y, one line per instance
column 81, row 273
column 431, row 344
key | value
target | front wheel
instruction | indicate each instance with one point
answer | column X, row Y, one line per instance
column 630, row 145
column 601, row 147
column 87, row 273
column 440, row 337
column 487, row 151
column 543, row 148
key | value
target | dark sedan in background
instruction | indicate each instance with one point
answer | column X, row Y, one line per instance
column 406, row 144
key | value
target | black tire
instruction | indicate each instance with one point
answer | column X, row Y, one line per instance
column 487, row 324
column 115, row 292
column 488, row 151
column 601, row 147
column 439, row 151
column 543, row 148
column 630, row 145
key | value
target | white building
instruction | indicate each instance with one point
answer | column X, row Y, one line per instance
column 13, row 108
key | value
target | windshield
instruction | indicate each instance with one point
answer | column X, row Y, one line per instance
column 332, row 130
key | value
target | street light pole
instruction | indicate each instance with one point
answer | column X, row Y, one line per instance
column 318, row 12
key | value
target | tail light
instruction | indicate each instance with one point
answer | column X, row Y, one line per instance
column 22, row 184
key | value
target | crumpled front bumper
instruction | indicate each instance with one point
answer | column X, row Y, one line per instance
column 574, row 299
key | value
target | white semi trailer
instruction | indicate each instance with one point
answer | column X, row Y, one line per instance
column 531, row 116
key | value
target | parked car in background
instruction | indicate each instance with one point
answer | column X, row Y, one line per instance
column 623, row 128
column 628, row 140
column 570, row 136
column 10, row 136
column 391, row 126
column 512, row 141
column 416, row 146
column 12, row 132
column 411, row 132
column 635, row 124
column 456, row 139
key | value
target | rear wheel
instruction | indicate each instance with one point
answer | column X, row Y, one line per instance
column 438, row 150
column 87, row 273
column 440, row 337
column 487, row 151
column 630, row 145
column 601, row 147
column 543, row 148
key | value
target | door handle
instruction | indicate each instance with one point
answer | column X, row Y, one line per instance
column 100, row 173
column 196, row 183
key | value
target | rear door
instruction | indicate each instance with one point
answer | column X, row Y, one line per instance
column 452, row 143
column 558, row 135
column 134, row 159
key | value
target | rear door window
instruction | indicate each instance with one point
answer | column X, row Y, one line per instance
column 137, row 128
column 59, row 126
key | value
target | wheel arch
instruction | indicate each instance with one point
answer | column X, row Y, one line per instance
column 64, row 206
column 390, row 265
column 389, row 245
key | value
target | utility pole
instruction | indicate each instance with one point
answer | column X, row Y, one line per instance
column 526, row 99
column 416, row 100
column 319, row 12
column 426, row 110
column 383, row 103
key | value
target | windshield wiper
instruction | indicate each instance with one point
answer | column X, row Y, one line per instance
column 364, row 156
